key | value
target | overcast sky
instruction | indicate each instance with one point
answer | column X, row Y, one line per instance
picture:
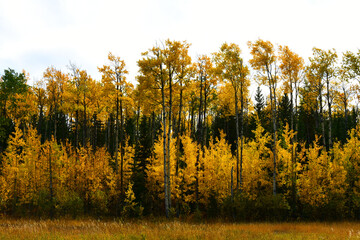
column 35, row 34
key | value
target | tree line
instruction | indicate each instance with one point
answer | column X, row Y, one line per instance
column 187, row 139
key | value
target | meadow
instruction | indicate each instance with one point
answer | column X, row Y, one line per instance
column 162, row 229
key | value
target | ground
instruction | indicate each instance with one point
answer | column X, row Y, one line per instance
column 161, row 229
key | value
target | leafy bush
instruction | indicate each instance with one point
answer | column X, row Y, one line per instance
column 70, row 203
column 99, row 201
column 265, row 207
column 42, row 202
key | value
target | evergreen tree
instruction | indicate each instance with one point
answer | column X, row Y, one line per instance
column 143, row 151
column 284, row 111
column 259, row 103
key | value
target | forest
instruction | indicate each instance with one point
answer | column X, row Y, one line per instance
column 185, row 138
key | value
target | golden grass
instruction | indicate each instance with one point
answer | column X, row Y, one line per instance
column 92, row 229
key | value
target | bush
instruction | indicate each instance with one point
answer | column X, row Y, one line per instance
column 264, row 208
column 69, row 203
column 213, row 207
column 99, row 201
column 42, row 202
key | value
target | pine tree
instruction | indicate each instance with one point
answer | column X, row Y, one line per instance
column 259, row 102
column 284, row 111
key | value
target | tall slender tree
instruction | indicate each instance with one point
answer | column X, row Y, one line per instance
column 231, row 68
column 322, row 68
column 113, row 76
column 291, row 66
column 351, row 65
column 264, row 61
column 153, row 73
column 56, row 82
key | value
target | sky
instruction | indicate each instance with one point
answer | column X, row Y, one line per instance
column 36, row 34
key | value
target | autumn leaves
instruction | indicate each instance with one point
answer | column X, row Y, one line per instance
column 109, row 147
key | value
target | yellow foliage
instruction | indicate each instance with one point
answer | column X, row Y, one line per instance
column 20, row 171
column 26, row 171
column 185, row 180
column 215, row 168
column 115, row 86
column 291, row 66
column 129, row 152
column 256, row 164
column 314, row 180
column 351, row 157
column 155, row 171
column 288, row 161
column 263, row 58
column 323, row 179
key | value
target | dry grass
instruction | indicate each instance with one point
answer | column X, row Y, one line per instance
column 92, row 229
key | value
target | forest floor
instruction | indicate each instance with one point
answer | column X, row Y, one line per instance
column 146, row 229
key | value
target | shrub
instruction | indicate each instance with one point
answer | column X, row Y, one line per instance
column 264, row 207
column 70, row 203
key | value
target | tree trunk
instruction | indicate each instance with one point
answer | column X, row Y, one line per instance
column 84, row 123
column 292, row 129
column 95, row 131
column 322, row 122
column 199, row 140
column 180, row 111
column 117, row 133
column 165, row 153
column 179, row 128
column 164, row 144
column 108, row 133
column 204, row 117
column 295, row 113
column 55, row 123
column 273, row 110
column 153, row 129
column 329, row 106
column 241, row 133
column 346, row 115
column 169, row 138
column 39, row 127
column 121, row 149
column 77, row 129
column 137, row 125
column 192, row 121
column 237, row 141
column 232, row 192
column 274, row 136
column 272, row 88
column 293, row 150
column 178, row 135
column 51, row 184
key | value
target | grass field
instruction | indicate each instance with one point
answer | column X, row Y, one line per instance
column 92, row 229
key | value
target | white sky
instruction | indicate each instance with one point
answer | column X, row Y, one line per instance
column 35, row 34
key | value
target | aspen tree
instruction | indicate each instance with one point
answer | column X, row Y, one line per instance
column 264, row 61
column 55, row 85
column 322, row 67
column 231, row 68
column 206, row 81
column 291, row 67
column 152, row 70
column 113, row 76
column 350, row 70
